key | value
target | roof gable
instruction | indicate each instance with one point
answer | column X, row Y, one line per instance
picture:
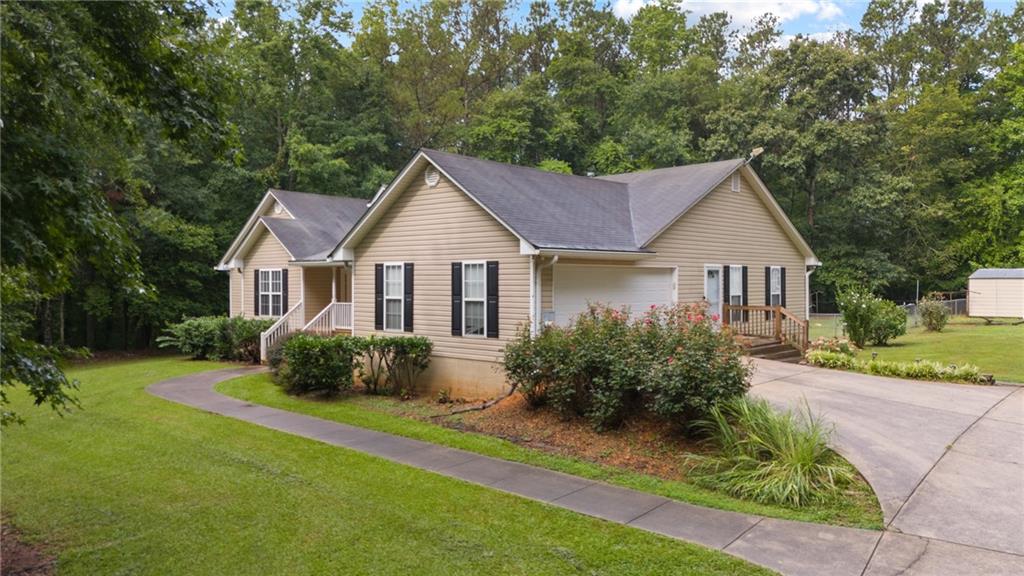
column 316, row 223
column 620, row 213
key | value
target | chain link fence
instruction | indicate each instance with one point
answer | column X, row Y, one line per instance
column 832, row 325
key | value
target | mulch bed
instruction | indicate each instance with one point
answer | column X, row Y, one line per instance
column 641, row 445
column 19, row 558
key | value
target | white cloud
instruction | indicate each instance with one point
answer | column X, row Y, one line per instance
column 745, row 12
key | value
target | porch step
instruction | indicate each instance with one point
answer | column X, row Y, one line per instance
column 775, row 350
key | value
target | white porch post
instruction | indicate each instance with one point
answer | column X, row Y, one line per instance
column 334, row 284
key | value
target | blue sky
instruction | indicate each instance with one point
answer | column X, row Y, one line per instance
column 809, row 17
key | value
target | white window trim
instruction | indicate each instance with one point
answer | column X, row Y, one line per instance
column 704, row 283
column 465, row 299
column 401, row 296
column 270, row 293
column 735, row 289
column 771, row 288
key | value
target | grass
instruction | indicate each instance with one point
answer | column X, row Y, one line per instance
column 858, row 507
column 996, row 349
column 136, row 484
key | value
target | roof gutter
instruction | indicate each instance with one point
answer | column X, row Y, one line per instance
column 594, row 254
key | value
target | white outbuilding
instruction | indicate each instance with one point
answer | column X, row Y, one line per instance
column 996, row 293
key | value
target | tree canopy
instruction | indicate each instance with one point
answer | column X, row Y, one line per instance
column 137, row 137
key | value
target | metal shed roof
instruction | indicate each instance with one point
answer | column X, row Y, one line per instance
column 990, row 273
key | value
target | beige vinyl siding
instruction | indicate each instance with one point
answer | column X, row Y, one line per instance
column 731, row 228
column 433, row 227
column 267, row 252
column 546, row 284
column 316, row 284
column 235, row 288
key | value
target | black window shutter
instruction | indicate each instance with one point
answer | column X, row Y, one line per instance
column 284, row 291
column 407, row 319
column 724, row 297
column 456, row 298
column 782, row 280
column 256, row 292
column 378, row 296
column 492, row 299
column 746, row 313
column 767, row 289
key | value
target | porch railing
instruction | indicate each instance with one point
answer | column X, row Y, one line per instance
column 766, row 322
column 286, row 324
column 335, row 316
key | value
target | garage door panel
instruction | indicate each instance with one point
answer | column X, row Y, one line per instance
column 637, row 288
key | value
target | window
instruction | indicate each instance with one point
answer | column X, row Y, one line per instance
column 776, row 286
column 735, row 293
column 270, row 293
column 474, row 299
column 393, row 291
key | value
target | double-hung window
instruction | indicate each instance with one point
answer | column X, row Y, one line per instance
column 474, row 298
column 775, row 286
column 271, row 288
column 735, row 293
column 393, row 290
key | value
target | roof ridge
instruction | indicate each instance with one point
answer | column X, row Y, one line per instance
column 521, row 167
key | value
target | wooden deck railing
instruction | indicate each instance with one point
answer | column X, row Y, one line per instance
column 766, row 322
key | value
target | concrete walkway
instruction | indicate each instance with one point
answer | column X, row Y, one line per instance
column 946, row 460
column 793, row 548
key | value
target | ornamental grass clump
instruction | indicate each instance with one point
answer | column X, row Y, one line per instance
column 767, row 456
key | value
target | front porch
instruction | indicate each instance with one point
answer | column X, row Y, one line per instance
column 324, row 308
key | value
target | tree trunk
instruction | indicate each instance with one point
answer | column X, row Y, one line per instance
column 61, row 325
column 47, row 323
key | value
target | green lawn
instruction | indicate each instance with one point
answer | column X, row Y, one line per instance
column 996, row 349
column 136, row 484
column 860, row 508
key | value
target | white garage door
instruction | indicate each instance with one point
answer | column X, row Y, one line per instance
column 637, row 288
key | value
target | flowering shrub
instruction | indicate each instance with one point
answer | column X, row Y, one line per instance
column 671, row 361
column 933, row 312
column 868, row 317
column 702, row 366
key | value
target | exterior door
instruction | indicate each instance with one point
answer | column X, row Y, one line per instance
column 713, row 289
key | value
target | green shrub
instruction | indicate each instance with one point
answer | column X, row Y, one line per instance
column 920, row 370
column 830, row 359
column 695, row 366
column 532, row 364
column 602, row 369
column 836, row 345
column 768, row 456
column 216, row 338
column 867, row 317
column 671, row 362
column 933, row 312
column 410, row 356
column 317, row 364
column 392, row 364
column 890, row 322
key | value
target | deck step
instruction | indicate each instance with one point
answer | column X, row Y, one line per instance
column 774, row 350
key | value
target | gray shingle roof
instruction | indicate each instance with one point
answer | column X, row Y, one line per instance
column 616, row 213
column 319, row 222
column 986, row 273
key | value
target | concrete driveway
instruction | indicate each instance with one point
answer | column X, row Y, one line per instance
column 946, row 460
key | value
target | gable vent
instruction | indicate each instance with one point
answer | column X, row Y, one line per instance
column 431, row 176
column 735, row 181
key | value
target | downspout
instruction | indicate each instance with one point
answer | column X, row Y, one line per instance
column 533, row 296
column 807, row 291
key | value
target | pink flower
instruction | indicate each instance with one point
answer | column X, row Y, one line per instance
column 714, row 317
column 653, row 306
column 700, row 317
column 671, row 359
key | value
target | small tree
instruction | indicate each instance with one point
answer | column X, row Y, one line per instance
column 870, row 318
column 933, row 312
